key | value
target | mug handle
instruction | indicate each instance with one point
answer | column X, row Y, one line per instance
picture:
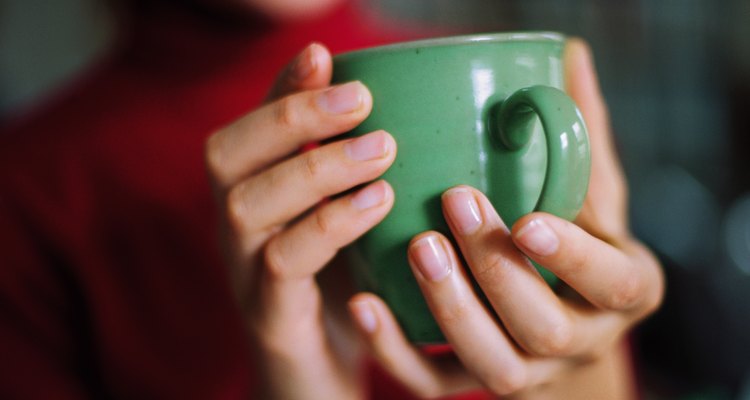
column 568, row 153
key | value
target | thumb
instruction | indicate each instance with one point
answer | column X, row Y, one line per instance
column 604, row 212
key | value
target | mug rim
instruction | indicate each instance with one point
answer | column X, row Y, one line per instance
column 517, row 36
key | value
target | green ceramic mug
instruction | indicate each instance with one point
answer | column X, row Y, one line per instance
column 482, row 110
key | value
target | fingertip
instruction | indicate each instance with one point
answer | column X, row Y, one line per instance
column 323, row 60
column 374, row 199
column 416, row 238
column 363, row 312
column 577, row 54
column 390, row 195
column 461, row 210
column 351, row 98
column 392, row 145
column 526, row 219
column 369, row 310
column 303, row 66
column 580, row 73
column 535, row 234
column 476, row 193
column 430, row 257
column 578, row 45
column 310, row 69
column 461, row 189
column 319, row 49
column 366, row 97
column 420, row 238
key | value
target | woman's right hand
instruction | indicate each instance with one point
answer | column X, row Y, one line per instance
column 276, row 232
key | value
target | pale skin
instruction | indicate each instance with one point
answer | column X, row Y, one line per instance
column 280, row 9
column 279, row 237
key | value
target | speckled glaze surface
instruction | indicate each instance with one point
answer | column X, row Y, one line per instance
column 483, row 110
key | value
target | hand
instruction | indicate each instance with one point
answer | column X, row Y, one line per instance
column 276, row 232
column 530, row 341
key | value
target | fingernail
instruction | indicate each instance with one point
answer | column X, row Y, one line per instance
column 371, row 196
column 463, row 210
column 342, row 99
column 365, row 316
column 430, row 258
column 305, row 64
column 367, row 147
column 539, row 238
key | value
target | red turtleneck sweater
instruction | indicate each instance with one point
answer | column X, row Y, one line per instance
column 111, row 283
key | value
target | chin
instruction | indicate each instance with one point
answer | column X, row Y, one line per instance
column 289, row 9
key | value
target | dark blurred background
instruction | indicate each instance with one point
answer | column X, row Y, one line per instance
column 676, row 75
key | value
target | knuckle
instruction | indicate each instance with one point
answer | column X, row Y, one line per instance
column 333, row 230
column 237, row 209
column 493, row 268
column 653, row 302
column 322, row 223
column 579, row 260
column 508, row 382
column 429, row 391
column 213, row 155
column 453, row 315
column 654, row 287
column 274, row 261
column 627, row 293
column 597, row 352
column 272, row 343
column 555, row 341
column 312, row 165
column 285, row 112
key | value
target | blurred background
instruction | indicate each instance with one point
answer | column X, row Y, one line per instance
column 676, row 75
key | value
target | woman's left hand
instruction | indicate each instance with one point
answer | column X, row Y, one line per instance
column 531, row 340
